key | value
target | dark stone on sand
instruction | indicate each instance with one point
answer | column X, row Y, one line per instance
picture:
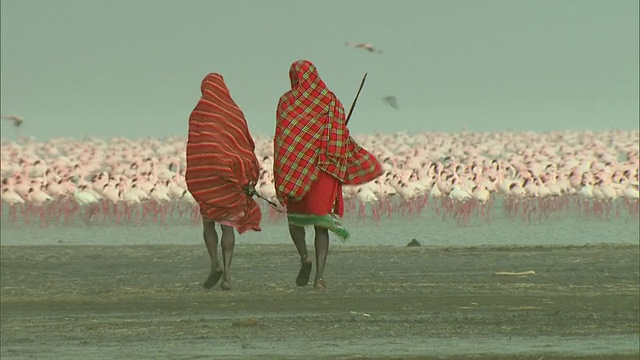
column 413, row 242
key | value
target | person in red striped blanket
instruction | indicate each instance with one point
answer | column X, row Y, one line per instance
column 314, row 155
column 222, row 170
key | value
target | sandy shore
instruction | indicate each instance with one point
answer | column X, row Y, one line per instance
column 79, row 302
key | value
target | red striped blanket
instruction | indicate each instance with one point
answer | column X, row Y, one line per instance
column 221, row 163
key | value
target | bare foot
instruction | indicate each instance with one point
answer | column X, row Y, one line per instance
column 212, row 280
column 225, row 285
column 320, row 284
column 304, row 273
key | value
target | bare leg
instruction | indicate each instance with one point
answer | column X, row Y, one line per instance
column 211, row 241
column 297, row 235
column 228, row 243
column 322, row 249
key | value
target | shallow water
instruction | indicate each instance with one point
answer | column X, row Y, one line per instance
column 429, row 228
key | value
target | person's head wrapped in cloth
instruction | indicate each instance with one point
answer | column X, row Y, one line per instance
column 314, row 154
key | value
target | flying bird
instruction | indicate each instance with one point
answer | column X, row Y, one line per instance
column 17, row 120
column 391, row 101
column 364, row 46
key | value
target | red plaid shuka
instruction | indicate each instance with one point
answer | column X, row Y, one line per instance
column 311, row 135
column 221, row 164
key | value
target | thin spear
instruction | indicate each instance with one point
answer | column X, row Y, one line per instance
column 356, row 99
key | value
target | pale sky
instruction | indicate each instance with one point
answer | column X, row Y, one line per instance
column 133, row 67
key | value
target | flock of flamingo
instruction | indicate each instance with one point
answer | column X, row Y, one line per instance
column 453, row 175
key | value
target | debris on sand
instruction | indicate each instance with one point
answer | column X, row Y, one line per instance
column 250, row 322
column 509, row 273
column 413, row 242
column 359, row 313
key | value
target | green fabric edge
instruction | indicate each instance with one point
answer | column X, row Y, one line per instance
column 328, row 221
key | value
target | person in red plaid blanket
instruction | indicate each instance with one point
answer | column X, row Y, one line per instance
column 313, row 157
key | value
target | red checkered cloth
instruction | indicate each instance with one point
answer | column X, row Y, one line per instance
column 222, row 167
column 311, row 136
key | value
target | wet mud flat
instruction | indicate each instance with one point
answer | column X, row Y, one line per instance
column 146, row 302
